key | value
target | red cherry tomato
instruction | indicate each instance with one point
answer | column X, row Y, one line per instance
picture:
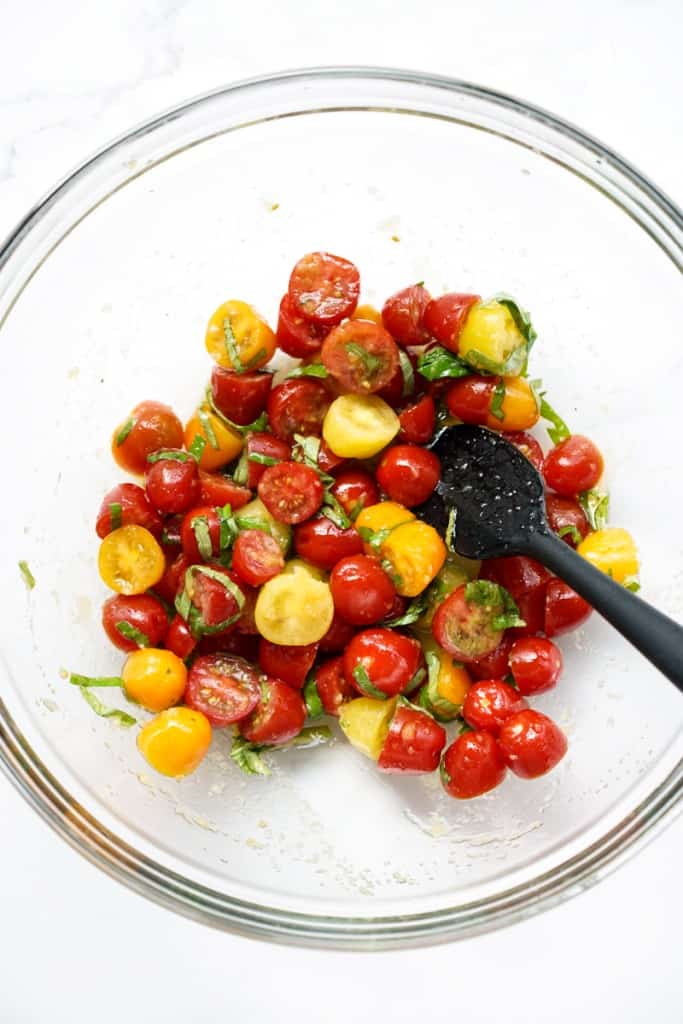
column 402, row 388
column 332, row 686
column 322, row 543
column 472, row 765
column 126, row 505
column 408, row 474
column 526, row 580
column 172, row 484
column 564, row 609
column 355, row 490
column 361, row 356
column 324, row 288
column 141, row 613
column 246, row 622
column 278, row 717
column 464, row 628
column 418, row 420
column 223, row 687
column 150, row 427
column 296, row 335
column 241, row 397
column 444, row 317
column 489, row 702
column 338, row 637
column 361, row 590
column 173, row 579
column 298, row 407
column 170, row 539
column 470, row 398
column 572, row 466
column 531, row 743
column 382, row 663
column 262, row 444
column 327, row 460
column 216, row 489
column 495, row 664
column 566, row 518
column 229, row 642
column 291, row 663
column 179, row 639
column 528, row 446
column 536, row 664
column 291, row 492
column 214, row 602
column 200, row 534
column 403, row 313
column 413, row 744
column 257, row 557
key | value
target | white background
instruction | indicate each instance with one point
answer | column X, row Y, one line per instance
column 76, row 947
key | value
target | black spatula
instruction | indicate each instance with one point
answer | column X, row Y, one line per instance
column 492, row 497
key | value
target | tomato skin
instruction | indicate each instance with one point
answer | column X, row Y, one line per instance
column 355, row 490
column 389, row 659
column 361, row 356
column 230, row 642
column 264, row 444
column 155, row 426
column 418, row 420
column 322, row 543
column 252, row 339
column 278, row 717
column 291, row 663
column 172, row 581
column 222, row 443
column 179, row 639
column 472, row 765
column 223, row 687
column 403, row 314
column 489, row 702
column 257, row 557
column 136, row 510
column 241, row 397
column 296, row 335
column 361, row 590
column 246, row 623
column 394, row 392
column 142, row 612
column 464, row 629
column 175, row 741
column 495, row 664
column 291, row 492
column 528, row 446
column 189, row 539
column 172, row 486
column 338, row 637
column 531, row 743
column 212, row 599
column 565, row 512
column 332, row 687
column 324, row 288
column 564, row 609
column 408, row 474
column 536, row 664
column 572, row 466
column 216, row 489
column 470, row 399
column 413, row 744
column 526, row 580
column 445, row 316
column 298, row 407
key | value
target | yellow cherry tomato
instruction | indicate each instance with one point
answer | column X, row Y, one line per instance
column 238, row 338
column 490, row 337
column 154, row 678
column 385, row 515
column 175, row 742
column 298, row 565
column 416, row 554
column 223, row 444
column 519, row 409
column 358, row 426
column 130, row 560
column 613, row 551
column 368, row 312
column 294, row 608
column 365, row 723
column 453, row 680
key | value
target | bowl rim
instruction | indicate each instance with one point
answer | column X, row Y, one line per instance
column 121, row 861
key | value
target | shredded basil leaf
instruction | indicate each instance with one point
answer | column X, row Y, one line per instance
column 241, row 474
column 231, row 346
column 312, row 370
column 335, row 512
column 202, row 535
column 314, row 705
column 497, row 600
column 122, row 717
column 27, row 575
column 247, row 756
column 450, row 530
column 197, row 447
column 190, row 613
column 207, row 427
column 115, row 515
column 87, row 681
column 168, row 455
column 632, row 583
column 408, row 374
column 263, row 460
column 438, row 363
column 416, row 680
column 375, row 538
column 570, row 531
column 497, row 399
column 395, row 577
column 595, row 504
column 228, row 528
column 125, row 431
column 356, row 509
column 310, row 736
column 559, row 431
column 259, row 424
column 360, row 674
column 412, row 613
column 521, row 317
column 371, row 363
column 131, row 633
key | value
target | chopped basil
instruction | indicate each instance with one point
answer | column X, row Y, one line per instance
column 334, row 511
column 116, row 515
column 521, row 317
column 412, row 613
column 497, row 399
column 450, row 529
column 202, row 535
column 241, row 474
column 310, row 736
column 429, row 697
column 27, row 575
column 247, row 756
column 559, row 431
column 131, row 633
column 122, row 717
column 395, row 577
column 408, row 374
column 207, row 427
column 263, row 460
column 314, row 705
column 360, row 674
column 437, row 363
column 632, row 583
column 312, row 370
column 495, row 599
column 168, row 455
column 375, row 538
column 259, row 424
column 231, row 346
column 356, row 509
column 513, row 366
column 445, row 777
column 125, row 431
column 570, row 531
column 417, row 679
column 87, row 681
column 228, row 528
column 371, row 364
column 596, row 506
column 197, row 447
column 307, row 449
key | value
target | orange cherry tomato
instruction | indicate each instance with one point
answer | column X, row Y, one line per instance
column 154, row 678
column 130, row 560
column 150, row 426
column 223, row 444
column 237, row 338
column 175, row 742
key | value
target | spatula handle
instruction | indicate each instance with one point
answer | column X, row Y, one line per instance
column 656, row 636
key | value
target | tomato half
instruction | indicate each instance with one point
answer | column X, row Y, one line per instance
column 215, row 600
column 298, row 407
column 361, row 590
column 324, row 288
column 297, row 335
column 257, row 557
column 223, row 687
column 361, row 356
column 179, row 639
column 572, row 466
column 531, row 743
column 200, row 534
column 564, row 609
column 237, row 338
column 278, row 717
column 126, row 505
column 417, row 420
column 289, row 663
column 263, row 450
column 216, row 489
column 172, row 483
column 130, row 560
column 472, row 765
column 323, row 543
column 567, row 519
column 403, row 315
column 136, row 621
column 489, row 702
column 414, row 742
column 241, row 397
column 173, row 578
column 464, row 628
column 382, row 663
column 445, row 316
column 536, row 664
column 493, row 665
column 291, row 492
column 408, row 474
column 332, row 686
column 150, row 426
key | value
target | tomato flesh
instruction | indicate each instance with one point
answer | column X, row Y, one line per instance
column 418, row 420
column 472, row 765
column 324, row 288
column 464, row 628
column 241, row 397
column 298, row 407
column 322, row 543
column 361, row 356
column 291, row 492
column 278, row 717
column 382, row 663
column 413, row 744
column 297, row 335
column 531, row 743
column 289, row 663
column 332, row 686
column 257, row 557
column 223, row 687
column 361, row 590
column 216, row 489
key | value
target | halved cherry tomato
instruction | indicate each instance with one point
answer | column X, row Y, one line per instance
column 403, row 315
column 408, row 473
column 564, row 609
column 142, row 618
column 176, row 741
column 241, row 397
column 365, row 723
column 291, row 492
column 465, row 628
column 257, row 557
column 383, row 515
column 223, row 444
column 414, row 742
column 489, row 702
column 328, row 461
column 491, row 340
column 324, row 288
column 382, row 663
column 493, row 665
column 361, row 590
column 126, row 505
column 294, row 608
column 200, row 534
column 528, row 446
column 179, row 639
column 150, row 426
column 223, row 687
column 472, row 765
column 298, row 407
column 445, row 316
column 417, row 420
column 296, row 335
column 338, row 636
column 289, row 663
column 359, row 426
column 130, row 560
column 404, row 383
column 332, row 686
column 173, row 578
column 355, row 490
column 278, row 717
column 531, row 743
column 216, row 489
column 416, row 554
column 361, row 356
column 572, row 466
column 567, row 519
column 237, row 338
column 323, row 543
column 536, row 664
column 154, row 678
column 172, row 483
column 264, row 446
column 470, row 398
column 474, row 400
column 526, row 580
column 246, row 623
column 216, row 597
column 613, row 551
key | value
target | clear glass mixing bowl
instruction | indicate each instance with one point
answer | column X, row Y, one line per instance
column 105, row 289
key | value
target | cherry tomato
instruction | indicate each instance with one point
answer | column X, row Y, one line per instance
column 472, row 765
column 408, row 474
column 403, row 315
column 291, row 492
column 237, row 338
column 444, row 317
column 526, row 581
column 474, row 400
column 528, row 446
column 298, row 407
column 173, row 578
column 266, row 446
column 361, row 590
column 126, row 505
column 296, row 335
column 383, row 515
column 150, row 426
column 531, row 743
column 361, row 356
column 130, row 560
column 332, row 686
column 278, row 717
column 493, row 665
column 257, row 557
column 536, row 664
column 295, row 607
column 216, row 489
column 324, row 288
column 154, row 678
column 414, row 742
column 355, row 490
column 138, row 614
column 328, row 461
column 489, row 702
column 491, row 339
column 222, row 443
column 416, row 554
column 179, row 639
column 417, row 420
column 572, row 466
column 567, row 519
column 564, row 609
column 464, row 628
column 223, row 687
column 172, row 483
column 322, row 543
column 382, row 663
column 200, row 534
column 175, row 742
column 613, row 551
column 215, row 603
column 404, row 382
column 338, row 636
column 470, row 398
column 291, row 663
column 171, row 540
column 359, row 426
column 241, row 397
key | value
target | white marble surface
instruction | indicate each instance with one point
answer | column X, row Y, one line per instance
column 76, row 946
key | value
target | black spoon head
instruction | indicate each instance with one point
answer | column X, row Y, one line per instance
column 488, row 490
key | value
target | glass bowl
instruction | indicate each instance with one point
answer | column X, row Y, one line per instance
column 105, row 289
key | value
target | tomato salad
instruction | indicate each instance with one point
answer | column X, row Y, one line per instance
column 268, row 568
